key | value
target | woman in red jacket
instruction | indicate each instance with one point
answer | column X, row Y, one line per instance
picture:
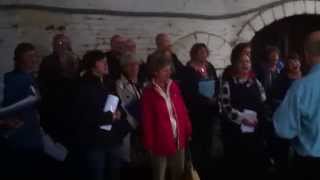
column 165, row 122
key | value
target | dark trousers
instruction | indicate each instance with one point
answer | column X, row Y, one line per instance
column 280, row 149
column 17, row 164
column 200, row 146
column 306, row 167
column 94, row 163
column 244, row 155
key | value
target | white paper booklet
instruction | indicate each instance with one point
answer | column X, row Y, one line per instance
column 111, row 103
column 248, row 114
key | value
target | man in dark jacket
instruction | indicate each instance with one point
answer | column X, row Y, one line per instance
column 57, row 78
column 268, row 71
column 118, row 46
column 163, row 43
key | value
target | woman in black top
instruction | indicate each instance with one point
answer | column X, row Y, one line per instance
column 93, row 145
column 199, row 86
column 242, row 98
column 243, row 48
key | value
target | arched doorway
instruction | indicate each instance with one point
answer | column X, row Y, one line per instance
column 287, row 34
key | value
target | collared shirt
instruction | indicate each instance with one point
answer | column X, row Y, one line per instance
column 128, row 90
column 171, row 111
column 298, row 117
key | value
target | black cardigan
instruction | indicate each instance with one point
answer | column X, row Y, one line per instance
column 88, row 114
column 202, row 110
column 197, row 103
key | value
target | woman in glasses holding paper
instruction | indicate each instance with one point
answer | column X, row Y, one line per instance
column 165, row 121
column 99, row 122
column 199, row 88
column 242, row 99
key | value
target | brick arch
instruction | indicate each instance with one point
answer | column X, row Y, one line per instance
column 265, row 17
column 218, row 46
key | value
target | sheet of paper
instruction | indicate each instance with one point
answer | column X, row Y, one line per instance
column 106, row 127
column 249, row 114
column 111, row 103
column 247, row 129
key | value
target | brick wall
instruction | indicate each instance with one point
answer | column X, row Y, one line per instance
column 221, row 25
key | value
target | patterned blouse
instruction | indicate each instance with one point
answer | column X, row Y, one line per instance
column 237, row 95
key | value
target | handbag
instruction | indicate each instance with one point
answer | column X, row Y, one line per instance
column 190, row 173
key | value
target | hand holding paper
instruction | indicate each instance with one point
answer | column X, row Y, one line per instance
column 117, row 115
column 110, row 106
column 10, row 123
column 249, row 121
column 111, row 103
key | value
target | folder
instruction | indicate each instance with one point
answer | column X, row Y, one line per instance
column 207, row 88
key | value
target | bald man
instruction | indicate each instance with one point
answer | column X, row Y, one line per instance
column 57, row 78
column 118, row 46
column 163, row 43
column 298, row 117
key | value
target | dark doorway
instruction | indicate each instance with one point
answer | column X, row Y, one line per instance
column 287, row 34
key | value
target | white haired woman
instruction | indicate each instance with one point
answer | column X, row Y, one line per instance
column 129, row 90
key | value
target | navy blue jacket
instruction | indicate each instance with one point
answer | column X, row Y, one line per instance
column 19, row 85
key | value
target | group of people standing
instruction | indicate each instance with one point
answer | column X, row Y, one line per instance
column 166, row 109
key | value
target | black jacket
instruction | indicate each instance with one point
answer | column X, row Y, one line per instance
column 88, row 114
column 196, row 102
column 266, row 77
column 57, row 94
column 113, row 60
column 203, row 110
column 279, row 90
